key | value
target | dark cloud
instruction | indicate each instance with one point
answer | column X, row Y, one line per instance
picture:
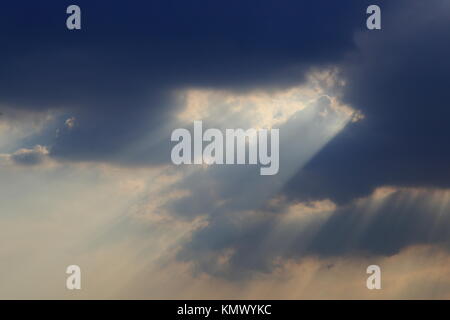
column 380, row 225
column 116, row 74
column 398, row 78
column 401, row 219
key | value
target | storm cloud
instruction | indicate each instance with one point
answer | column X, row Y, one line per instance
column 118, row 74
column 398, row 78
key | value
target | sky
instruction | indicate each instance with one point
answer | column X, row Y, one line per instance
column 86, row 176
